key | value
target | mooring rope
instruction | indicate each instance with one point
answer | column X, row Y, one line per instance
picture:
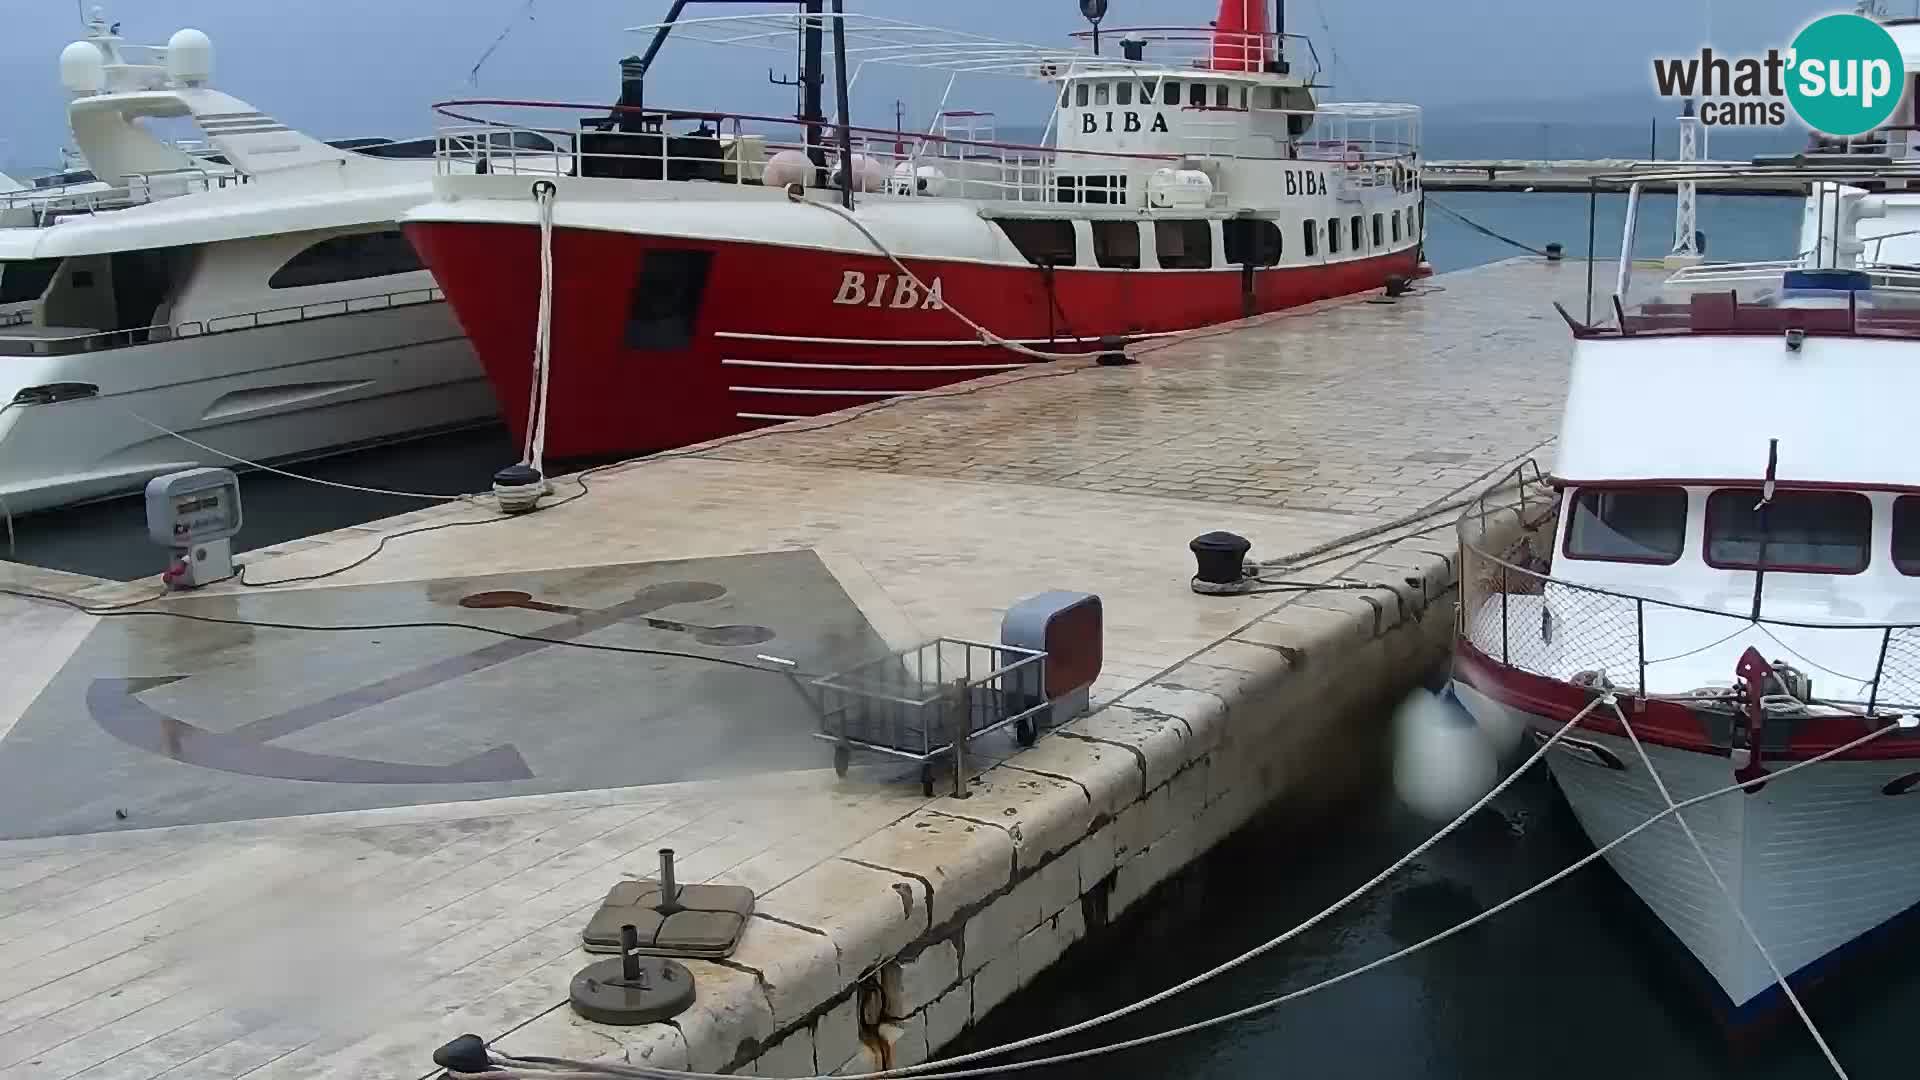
column 515, row 1068
column 533, row 452
column 985, row 335
column 1479, row 228
column 1720, row 883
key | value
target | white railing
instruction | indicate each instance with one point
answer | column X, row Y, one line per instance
column 48, row 204
column 92, row 341
column 1377, row 143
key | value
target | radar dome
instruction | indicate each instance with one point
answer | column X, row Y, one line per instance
column 82, row 70
column 189, row 57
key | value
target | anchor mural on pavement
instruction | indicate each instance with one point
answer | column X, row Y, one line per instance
column 115, row 704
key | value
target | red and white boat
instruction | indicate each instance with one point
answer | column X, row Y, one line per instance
column 715, row 272
column 1729, row 544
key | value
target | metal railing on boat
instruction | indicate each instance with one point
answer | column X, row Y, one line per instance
column 38, row 345
column 1517, row 614
column 1376, row 143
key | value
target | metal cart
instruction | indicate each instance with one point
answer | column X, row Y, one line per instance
column 926, row 701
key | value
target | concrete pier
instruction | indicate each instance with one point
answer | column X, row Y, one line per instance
column 248, row 846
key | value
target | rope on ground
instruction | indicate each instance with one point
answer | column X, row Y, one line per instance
column 1720, row 883
column 1452, row 500
column 1482, row 229
column 567, row 1069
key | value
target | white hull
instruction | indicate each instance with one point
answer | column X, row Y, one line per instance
column 1816, row 860
column 273, row 392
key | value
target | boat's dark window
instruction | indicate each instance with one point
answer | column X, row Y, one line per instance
column 411, row 148
column 348, row 258
column 1246, row 98
column 1379, row 230
column 1100, row 93
column 1080, row 95
column 1123, row 93
column 1353, row 227
column 1906, row 534
column 1093, row 189
column 1816, row 532
column 1220, row 95
column 1116, row 244
column 1197, row 94
column 1183, row 245
column 1628, row 524
column 1396, row 226
column 1333, row 236
column 1171, row 93
column 1066, row 93
column 1044, row 241
column 1276, row 99
column 666, row 299
column 26, row 279
column 1251, row 240
column 1146, row 93
column 1309, row 234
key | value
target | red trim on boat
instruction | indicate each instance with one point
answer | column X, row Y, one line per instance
column 1661, row 723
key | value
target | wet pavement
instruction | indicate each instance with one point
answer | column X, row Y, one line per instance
column 165, row 721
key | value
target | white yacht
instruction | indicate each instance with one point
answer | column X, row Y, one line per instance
column 251, row 292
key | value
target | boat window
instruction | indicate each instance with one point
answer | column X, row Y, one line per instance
column 1044, row 241
column 1275, row 99
column 1066, row 95
column 1246, row 97
column 1220, row 92
column 1819, row 532
column 1396, row 226
column 1146, row 93
column 1906, row 535
column 666, row 299
column 1099, row 93
column 1123, row 93
column 1333, row 236
column 1628, row 524
column 1353, row 227
column 1197, row 93
column 1080, row 95
column 1308, row 232
column 1171, row 93
column 1116, row 244
column 348, row 258
column 1093, row 189
column 1183, row 245
column 1379, row 230
column 26, row 279
column 1251, row 240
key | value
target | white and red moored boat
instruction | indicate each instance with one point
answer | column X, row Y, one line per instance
column 715, row 272
column 1731, row 548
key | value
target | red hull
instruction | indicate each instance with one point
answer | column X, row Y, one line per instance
column 769, row 341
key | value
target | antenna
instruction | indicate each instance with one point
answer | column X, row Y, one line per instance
column 473, row 76
column 1094, row 10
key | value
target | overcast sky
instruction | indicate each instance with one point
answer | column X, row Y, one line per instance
column 372, row 67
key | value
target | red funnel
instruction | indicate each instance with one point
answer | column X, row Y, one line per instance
column 1240, row 36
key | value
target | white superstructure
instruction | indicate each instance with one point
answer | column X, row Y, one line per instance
column 251, row 292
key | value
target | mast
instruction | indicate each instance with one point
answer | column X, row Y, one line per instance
column 846, row 107
column 812, row 74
